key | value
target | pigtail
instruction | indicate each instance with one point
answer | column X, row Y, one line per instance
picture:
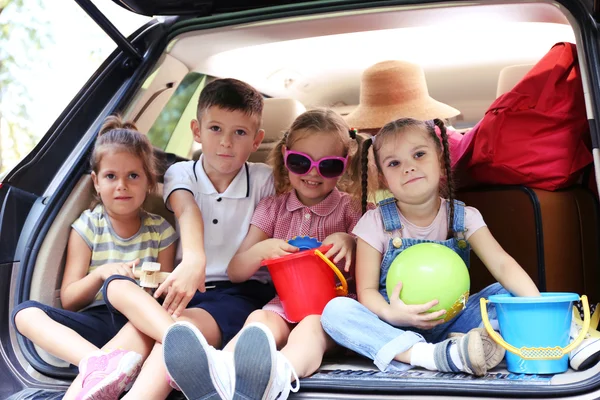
column 351, row 180
column 275, row 159
column 448, row 167
column 365, row 172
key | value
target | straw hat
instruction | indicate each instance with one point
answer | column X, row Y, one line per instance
column 395, row 89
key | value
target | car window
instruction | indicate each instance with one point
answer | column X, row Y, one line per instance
column 171, row 130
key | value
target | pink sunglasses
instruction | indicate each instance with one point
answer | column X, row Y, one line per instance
column 301, row 164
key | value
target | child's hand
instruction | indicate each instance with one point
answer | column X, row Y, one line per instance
column 343, row 247
column 401, row 314
column 272, row 248
column 182, row 283
column 125, row 269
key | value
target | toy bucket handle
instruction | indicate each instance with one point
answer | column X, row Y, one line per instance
column 340, row 291
column 537, row 353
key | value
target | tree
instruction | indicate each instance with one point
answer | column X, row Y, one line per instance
column 15, row 130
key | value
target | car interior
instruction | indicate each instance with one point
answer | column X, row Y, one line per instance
column 471, row 54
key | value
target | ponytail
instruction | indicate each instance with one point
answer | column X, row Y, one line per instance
column 275, row 159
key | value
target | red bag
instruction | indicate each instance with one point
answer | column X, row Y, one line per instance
column 537, row 134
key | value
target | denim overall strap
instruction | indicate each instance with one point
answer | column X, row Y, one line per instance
column 389, row 214
column 459, row 243
column 458, row 224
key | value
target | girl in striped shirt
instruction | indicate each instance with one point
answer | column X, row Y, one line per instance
column 105, row 242
column 318, row 155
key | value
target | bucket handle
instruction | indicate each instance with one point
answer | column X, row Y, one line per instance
column 340, row 291
column 537, row 353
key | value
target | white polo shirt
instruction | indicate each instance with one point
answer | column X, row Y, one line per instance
column 226, row 215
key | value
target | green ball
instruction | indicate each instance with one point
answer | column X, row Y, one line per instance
column 430, row 271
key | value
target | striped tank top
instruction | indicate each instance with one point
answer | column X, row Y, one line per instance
column 94, row 227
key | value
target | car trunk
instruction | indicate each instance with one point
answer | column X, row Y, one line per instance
column 525, row 212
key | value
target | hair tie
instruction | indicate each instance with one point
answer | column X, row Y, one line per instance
column 353, row 133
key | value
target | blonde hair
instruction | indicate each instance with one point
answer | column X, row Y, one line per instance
column 320, row 120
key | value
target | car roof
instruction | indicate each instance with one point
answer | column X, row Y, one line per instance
column 197, row 8
column 318, row 59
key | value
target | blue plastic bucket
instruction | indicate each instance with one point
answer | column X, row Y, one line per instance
column 535, row 330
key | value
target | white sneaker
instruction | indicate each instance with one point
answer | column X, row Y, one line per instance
column 198, row 369
column 588, row 352
column 261, row 372
column 282, row 381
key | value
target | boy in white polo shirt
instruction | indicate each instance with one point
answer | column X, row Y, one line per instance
column 213, row 200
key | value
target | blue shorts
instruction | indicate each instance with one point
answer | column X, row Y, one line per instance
column 97, row 325
column 230, row 304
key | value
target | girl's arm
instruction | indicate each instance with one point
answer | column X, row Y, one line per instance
column 501, row 265
column 255, row 248
column 368, row 262
column 344, row 245
column 78, row 288
column 247, row 259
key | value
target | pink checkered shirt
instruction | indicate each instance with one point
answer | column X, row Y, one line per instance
column 284, row 216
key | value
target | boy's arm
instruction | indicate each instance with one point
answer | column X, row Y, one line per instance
column 190, row 274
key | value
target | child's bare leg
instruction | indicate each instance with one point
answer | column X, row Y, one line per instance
column 140, row 308
column 128, row 338
column 152, row 383
column 277, row 325
column 73, row 389
column 205, row 323
column 306, row 345
column 51, row 336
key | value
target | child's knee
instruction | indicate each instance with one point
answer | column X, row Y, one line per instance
column 311, row 325
column 24, row 318
column 336, row 307
column 115, row 286
column 311, row 322
column 261, row 316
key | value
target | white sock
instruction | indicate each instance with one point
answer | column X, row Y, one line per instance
column 455, row 357
column 421, row 355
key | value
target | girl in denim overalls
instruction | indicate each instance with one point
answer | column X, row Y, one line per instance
column 414, row 165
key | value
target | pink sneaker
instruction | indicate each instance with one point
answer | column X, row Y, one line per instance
column 107, row 375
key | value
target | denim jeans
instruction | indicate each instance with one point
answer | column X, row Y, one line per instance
column 355, row 327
